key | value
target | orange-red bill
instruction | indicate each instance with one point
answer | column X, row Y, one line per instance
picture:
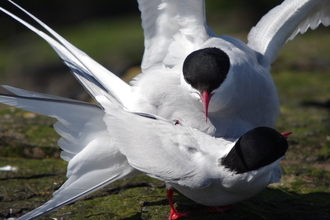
column 205, row 98
column 286, row 134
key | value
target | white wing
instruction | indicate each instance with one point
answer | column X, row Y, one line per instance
column 172, row 29
column 171, row 153
column 102, row 148
column 284, row 22
column 94, row 161
column 98, row 81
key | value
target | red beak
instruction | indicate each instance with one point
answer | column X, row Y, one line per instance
column 286, row 134
column 205, row 98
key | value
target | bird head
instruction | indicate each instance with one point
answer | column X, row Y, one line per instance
column 257, row 148
column 204, row 71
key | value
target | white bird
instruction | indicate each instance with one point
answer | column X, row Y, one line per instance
column 230, row 78
column 104, row 145
column 188, row 71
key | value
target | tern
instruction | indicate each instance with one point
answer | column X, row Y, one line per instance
column 189, row 73
column 102, row 145
column 222, row 75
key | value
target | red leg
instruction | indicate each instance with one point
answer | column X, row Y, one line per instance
column 219, row 209
column 173, row 213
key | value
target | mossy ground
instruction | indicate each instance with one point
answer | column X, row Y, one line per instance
column 302, row 74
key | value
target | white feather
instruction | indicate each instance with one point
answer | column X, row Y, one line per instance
column 172, row 29
column 104, row 146
column 94, row 160
column 284, row 22
column 98, row 81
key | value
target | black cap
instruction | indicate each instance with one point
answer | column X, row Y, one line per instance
column 206, row 69
column 255, row 149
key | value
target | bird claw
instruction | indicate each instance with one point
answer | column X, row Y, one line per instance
column 176, row 122
column 176, row 215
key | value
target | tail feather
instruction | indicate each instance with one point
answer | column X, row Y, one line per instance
column 79, row 123
column 93, row 156
column 25, row 93
column 97, row 80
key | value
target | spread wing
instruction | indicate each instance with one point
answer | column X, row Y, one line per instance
column 172, row 29
column 284, row 22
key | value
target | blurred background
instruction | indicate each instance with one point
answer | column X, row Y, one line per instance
column 108, row 31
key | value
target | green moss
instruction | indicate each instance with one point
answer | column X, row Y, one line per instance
column 324, row 153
